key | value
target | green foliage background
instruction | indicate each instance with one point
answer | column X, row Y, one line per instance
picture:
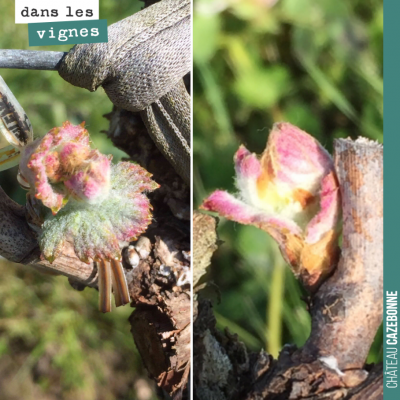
column 54, row 344
column 316, row 64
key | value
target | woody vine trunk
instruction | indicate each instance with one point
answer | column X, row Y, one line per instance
column 157, row 270
column 346, row 310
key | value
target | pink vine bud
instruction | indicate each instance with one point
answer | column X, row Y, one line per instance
column 292, row 193
column 95, row 205
column 62, row 164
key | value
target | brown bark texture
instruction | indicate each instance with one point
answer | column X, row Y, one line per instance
column 157, row 265
column 346, row 311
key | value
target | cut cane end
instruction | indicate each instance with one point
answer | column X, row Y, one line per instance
column 120, row 285
column 104, row 285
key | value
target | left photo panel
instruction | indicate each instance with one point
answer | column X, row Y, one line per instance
column 95, row 199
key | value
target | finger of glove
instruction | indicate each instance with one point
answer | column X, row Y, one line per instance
column 146, row 55
column 169, row 134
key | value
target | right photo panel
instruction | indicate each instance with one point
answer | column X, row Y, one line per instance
column 288, row 199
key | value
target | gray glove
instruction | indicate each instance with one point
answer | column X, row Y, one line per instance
column 141, row 69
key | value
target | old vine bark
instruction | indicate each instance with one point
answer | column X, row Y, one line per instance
column 159, row 285
column 346, row 311
column 157, row 266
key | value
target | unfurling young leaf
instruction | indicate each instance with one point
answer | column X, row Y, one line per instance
column 94, row 205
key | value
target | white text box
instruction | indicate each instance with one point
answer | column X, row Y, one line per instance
column 31, row 11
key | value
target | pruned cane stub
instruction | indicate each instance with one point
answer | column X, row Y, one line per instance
column 111, row 277
column 15, row 128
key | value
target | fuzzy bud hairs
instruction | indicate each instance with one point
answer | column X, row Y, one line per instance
column 94, row 204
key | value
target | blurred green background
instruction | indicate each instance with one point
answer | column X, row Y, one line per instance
column 54, row 344
column 316, row 64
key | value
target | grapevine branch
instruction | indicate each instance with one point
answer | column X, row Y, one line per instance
column 31, row 59
column 346, row 311
column 158, row 282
